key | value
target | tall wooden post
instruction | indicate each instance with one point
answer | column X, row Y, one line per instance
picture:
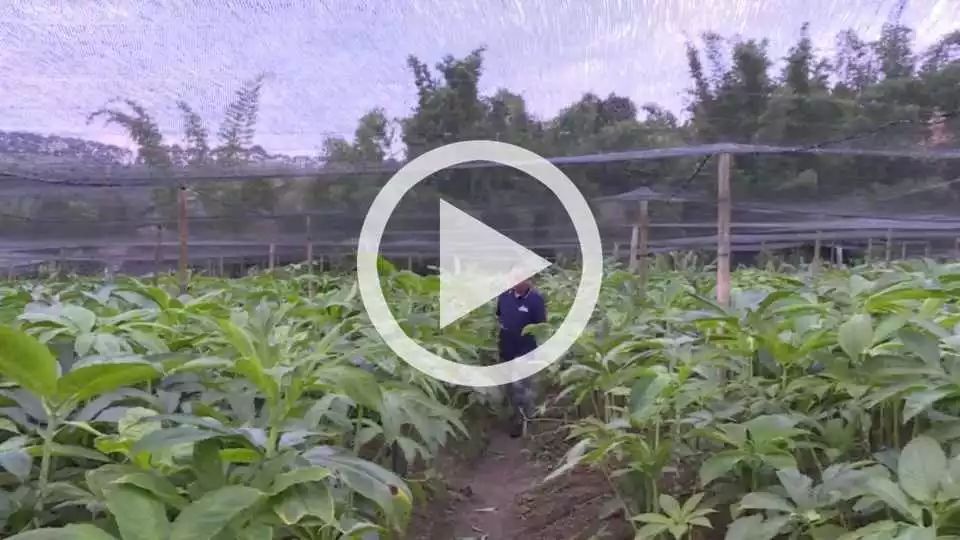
column 156, row 255
column 643, row 248
column 903, row 250
column 272, row 256
column 309, row 228
column 888, row 249
column 634, row 247
column 616, row 251
column 182, row 229
column 723, row 230
column 815, row 263
column 956, row 247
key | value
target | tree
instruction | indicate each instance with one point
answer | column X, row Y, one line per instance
column 854, row 65
column 195, row 133
column 140, row 127
column 894, row 53
column 239, row 123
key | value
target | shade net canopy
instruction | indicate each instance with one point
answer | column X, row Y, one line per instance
column 849, row 141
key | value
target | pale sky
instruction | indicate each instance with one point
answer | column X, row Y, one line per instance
column 330, row 61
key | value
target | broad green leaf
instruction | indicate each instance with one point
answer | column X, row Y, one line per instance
column 887, row 327
column 207, row 465
column 919, row 401
column 70, row 532
column 8, row 426
column 368, row 479
column 691, row 503
column 653, row 518
column 719, row 465
column 256, row 531
column 14, row 457
column 651, row 531
column 165, row 438
column 827, row 532
column 138, row 514
column 771, row 427
column 209, row 515
column 299, row 476
column 669, row 505
column 917, row 533
column 69, row 450
column 134, row 424
column 82, row 318
column 160, row 487
column 355, row 383
column 646, row 389
column 922, row 464
column 27, row 362
column 892, row 496
column 874, row 531
column 755, row 528
column 923, row 345
column 303, row 500
column 856, row 335
column 765, row 501
column 798, row 487
column 95, row 378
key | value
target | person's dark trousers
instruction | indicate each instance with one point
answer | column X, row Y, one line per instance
column 519, row 396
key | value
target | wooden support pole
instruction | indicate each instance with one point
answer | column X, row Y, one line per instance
column 723, row 230
column 815, row 263
column 309, row 229
column 410, row 263
column 308, row 225
column 643, row 247
column 634, row 247
column 182, row 229
column 903, row 250
column 156, row 255
column 839, row 250
column 888, row 249
column 956, row 247
column 272, row 256
column 616, row 251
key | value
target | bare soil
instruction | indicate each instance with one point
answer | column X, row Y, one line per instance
column 492, row 489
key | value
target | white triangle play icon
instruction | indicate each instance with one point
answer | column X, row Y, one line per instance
column 477, row 263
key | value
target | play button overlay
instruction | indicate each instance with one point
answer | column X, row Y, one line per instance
column 473, row 257
column 477, row 263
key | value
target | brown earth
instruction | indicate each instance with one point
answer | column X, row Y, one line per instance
column 492, row 489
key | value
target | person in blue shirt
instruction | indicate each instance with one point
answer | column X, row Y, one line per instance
column 522, row 305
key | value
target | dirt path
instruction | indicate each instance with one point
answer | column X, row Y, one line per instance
column 498, row 495
column 491, row 504
column 483, row 495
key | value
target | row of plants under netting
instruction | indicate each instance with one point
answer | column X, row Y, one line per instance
column 818, row 404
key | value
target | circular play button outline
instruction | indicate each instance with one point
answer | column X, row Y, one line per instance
column 374, row 225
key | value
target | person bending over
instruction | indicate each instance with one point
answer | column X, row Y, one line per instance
column 520, row 306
